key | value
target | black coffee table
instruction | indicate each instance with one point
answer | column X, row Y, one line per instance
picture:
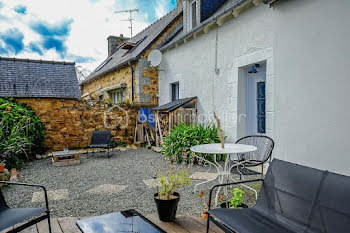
column 124, row 221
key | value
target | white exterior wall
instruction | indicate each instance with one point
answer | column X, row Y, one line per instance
column 241, row 42
column 306, row 45
column 311, row 54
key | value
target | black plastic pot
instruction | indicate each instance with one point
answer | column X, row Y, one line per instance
column 227, row 204
column 167, row 208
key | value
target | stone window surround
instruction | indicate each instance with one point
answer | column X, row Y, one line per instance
column 246, row 60
column 105, row 91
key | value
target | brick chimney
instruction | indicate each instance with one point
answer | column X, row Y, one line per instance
column 114, row 42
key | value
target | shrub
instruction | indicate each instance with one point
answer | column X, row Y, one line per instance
column 21, row 133
column 183, row 137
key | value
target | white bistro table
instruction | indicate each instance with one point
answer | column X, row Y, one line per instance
column 224, row 172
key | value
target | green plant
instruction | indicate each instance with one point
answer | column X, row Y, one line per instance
column 183, row 137
column 21, row 133
column 171, row 182
column 237, row 198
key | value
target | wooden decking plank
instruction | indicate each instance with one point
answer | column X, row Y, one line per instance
column 213, row 227
column 190, row 224
column 43, row 226
column 170, row 227
column 68, row 224
column 6, row 230
column 31, row 229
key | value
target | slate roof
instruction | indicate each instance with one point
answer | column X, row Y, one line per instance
column 221, row 7
column 38, row 78
column 173, row 105
column 143, row 41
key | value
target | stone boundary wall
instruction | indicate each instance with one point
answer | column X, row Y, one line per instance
column 70, row 123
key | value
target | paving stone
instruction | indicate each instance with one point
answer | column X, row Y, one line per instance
column 203, row 176
column 107, row 188
column 151, row 183
column 52, row 195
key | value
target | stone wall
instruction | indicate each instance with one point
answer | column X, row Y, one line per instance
column 70, row 123
column 120, row 76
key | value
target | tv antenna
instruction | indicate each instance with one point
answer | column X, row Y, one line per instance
column 130, row 19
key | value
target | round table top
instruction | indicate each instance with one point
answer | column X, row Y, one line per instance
column 230, row 148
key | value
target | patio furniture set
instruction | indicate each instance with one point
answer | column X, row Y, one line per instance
column 293, row 198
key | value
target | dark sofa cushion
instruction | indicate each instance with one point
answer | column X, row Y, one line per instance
column 332, row 207
column 289, row 190
column 249, row 221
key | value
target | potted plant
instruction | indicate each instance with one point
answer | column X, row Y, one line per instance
column 236, row 201
column 2, row 166
column 167, row 198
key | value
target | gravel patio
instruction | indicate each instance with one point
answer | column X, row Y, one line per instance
column 100, row 185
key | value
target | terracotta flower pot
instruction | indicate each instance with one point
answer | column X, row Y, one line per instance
column 2, row 167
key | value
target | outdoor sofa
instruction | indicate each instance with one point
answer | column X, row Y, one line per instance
column 293, row 198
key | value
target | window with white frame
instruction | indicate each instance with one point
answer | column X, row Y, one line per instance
column 116, row 96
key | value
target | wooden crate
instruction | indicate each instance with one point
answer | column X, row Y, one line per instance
column 65, row 158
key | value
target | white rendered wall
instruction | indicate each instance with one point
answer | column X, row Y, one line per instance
column 241, row 41
column 311, row 55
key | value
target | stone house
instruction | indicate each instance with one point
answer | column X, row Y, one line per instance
column 125, row 75
column 273, row 67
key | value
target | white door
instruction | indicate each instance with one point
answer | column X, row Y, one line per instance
column 255, row 100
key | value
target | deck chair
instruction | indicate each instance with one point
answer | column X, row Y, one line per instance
column 28, row 216
column 101, row 139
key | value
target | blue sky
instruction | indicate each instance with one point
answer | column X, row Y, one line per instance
column 70, row 30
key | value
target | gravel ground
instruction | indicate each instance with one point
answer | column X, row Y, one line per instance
column 128, row 168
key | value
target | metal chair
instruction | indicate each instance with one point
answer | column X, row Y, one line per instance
column 101, row 139
column 12, row 216
column 263, row 153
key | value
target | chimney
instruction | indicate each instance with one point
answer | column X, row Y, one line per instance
column 179, row 5
column 114, row 42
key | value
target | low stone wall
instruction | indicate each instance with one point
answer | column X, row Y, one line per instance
column 70, row 123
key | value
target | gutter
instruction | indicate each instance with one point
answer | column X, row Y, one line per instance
column 107, row 71
column 205, row 23
column 132, row 81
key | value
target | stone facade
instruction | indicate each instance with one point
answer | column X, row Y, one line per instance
column 117, row 77
column 70, row 123
column 145, row 77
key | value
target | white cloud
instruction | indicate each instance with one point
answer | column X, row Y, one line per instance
column 92, row 24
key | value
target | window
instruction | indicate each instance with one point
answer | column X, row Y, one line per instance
column 116, row 96
column 174, row 91
column 194, row 14
column 261, row 99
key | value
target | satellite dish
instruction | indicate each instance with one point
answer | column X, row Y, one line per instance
column 155, row 57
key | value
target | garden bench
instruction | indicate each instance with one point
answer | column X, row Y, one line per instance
column 293, row 198
column 13, row 216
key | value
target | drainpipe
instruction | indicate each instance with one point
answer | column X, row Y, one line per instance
column 132, row 81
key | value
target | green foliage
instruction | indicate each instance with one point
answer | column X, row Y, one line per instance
column 237, row 197
column 172, row 181
column 183, row 137
column 21, row 133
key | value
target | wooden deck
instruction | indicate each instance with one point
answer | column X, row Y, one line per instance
column 183, row 224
